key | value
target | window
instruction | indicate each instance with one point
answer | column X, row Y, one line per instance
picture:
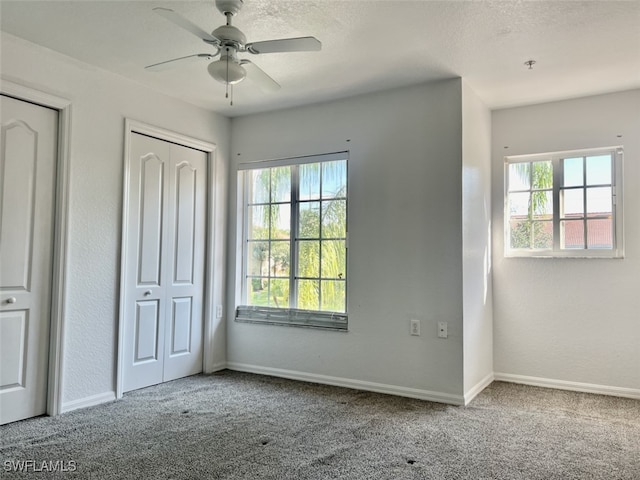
column 294, row 267
column 566, row 204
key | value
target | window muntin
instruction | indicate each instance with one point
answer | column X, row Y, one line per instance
column 295, row 242
column 564, row 204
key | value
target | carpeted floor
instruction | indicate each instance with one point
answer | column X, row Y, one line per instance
column 237, row 425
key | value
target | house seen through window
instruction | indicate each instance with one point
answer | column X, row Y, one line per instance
column 295, row 242
column 564, row 204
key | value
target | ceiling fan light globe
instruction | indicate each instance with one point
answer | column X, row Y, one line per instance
column 227, row 72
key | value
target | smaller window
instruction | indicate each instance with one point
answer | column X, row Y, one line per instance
column 565, row 204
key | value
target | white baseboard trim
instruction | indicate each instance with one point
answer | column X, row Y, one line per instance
column 88, row 401
column 216, row 367
column 477, row 388
column 420, row 394
column 567, row 385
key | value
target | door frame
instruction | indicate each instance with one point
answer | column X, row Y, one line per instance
column 60, row 233
column 214, row 274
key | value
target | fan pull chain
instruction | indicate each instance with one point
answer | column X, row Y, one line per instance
column 232, row 95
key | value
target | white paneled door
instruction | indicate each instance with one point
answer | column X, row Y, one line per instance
column 28, row 150
column 165, row 262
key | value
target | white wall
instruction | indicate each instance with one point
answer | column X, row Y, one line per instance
column 565, row 321
column 476, row 243
column 404, row 261
column 100, row 103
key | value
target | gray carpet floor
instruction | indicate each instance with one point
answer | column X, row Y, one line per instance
column 242, row 426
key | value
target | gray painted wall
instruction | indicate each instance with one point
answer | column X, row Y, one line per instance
column 476, row 243
column 404, row 261
column 569, row 320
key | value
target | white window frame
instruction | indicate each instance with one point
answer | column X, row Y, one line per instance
column 557, row 251
column 279, row 315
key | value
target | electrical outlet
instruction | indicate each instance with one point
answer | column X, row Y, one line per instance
column 218, row 311
column 442, row 330
column 415, row 327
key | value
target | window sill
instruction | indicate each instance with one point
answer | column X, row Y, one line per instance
column 564, row 255
column 291, row 317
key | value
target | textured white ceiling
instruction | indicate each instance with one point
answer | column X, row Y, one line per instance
column 581, row 48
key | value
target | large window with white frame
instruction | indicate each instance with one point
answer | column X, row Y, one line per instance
column 564, row 204
column 294, row 241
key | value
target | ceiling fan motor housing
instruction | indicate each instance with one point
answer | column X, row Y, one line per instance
column 230, row 35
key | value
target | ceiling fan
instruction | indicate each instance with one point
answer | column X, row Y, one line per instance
column 228, row 41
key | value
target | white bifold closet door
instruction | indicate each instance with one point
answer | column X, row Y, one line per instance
column 165, row 264
column 28, row 153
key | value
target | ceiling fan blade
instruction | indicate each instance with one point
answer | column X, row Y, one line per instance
column 257, row 75
column 187, row 25
column 301, row 44
column 157, row 67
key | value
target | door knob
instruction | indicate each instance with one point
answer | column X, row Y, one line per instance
column 147, row 293
column 12, row 300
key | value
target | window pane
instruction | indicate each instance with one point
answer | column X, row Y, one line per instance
column 543, row 235
column 258, row 222
column 308, row 259
column 599, row 170
column 309, row 220
column 599, row 234
column 258, row 292
column 280, row 259
column 572, row 202
column 598, row 201
column 542, row 205
column 519, row 176
column 573, row 173
column 572, row 234
column 519, row 205
column 281, row 221
column 542, row 175
column 333, row 296
column 334, row 179
column 309, row 181
column 309, row 294
column 334, row 264
column 520, row 233
column 257, row 261
column 259, row 186
column 279, row 293
column 334, row 219
column 281, row 184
